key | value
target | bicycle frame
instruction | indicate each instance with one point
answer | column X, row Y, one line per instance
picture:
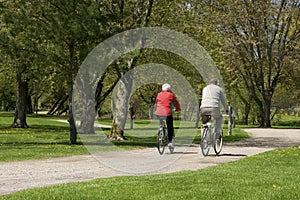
column 162, row 136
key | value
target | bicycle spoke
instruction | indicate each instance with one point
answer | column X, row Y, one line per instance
column 204, row 143
column 160, row 142
column 218, row 144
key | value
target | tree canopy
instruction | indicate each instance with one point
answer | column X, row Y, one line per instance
column 255, row 45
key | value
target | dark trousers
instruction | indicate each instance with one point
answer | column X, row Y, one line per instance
column 169, row 121
column 170, row 127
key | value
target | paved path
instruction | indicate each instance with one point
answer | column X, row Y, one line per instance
column 16, row 176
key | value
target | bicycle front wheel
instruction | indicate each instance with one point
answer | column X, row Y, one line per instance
column 160, row 141
column 204, row 143
column 219, row 143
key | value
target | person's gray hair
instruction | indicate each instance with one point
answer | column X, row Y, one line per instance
column 166, row 86
column 213, row 81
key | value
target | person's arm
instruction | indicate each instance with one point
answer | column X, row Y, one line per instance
column 223, row 100
column 177, row 105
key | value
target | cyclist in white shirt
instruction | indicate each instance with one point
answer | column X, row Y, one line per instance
column 212, row 97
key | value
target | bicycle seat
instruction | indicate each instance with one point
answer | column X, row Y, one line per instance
column 206, row 118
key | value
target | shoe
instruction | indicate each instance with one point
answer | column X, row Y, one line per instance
column 166, row 139
column 170, row 144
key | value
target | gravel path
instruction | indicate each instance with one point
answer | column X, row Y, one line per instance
column 16, row 176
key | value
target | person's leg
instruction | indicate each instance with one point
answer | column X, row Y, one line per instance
column 229, row 125
column 170, row 127
column 233, row 122
column 219, row 120
column 160, row 120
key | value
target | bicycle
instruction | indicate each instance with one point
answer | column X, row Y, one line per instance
column 208, row 138
column 162, row 137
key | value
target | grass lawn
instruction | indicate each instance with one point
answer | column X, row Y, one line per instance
column 47, row 138
column 44, row 139
column 271, row 175
column 286, row 121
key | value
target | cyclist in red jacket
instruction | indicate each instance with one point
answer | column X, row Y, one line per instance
column 164, row 103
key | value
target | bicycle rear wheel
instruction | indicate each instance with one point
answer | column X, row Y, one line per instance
column 219, row 143
column 204, row 143
column 160, row 141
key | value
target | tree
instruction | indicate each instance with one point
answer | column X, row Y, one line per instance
column 20, row 47
column 141, row 12
column 258, row 44
column 71, row 30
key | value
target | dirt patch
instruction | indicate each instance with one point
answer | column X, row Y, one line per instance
column 16, row 176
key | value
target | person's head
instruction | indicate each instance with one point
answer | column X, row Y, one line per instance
column 166, row 86
column 213, row 81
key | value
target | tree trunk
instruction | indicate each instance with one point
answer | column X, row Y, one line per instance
column 267, row 113
column 87, row 118
column 73, row 132
column 123, row 92
column 246, row 113
column 21, row 103
column 132, row 114
column 120, row 105
column 115, row 132
column 65, row 110
column 261, row 118
column 58, row 105
column 151, row 110
column 36, row 104
column 85, row 101
column 29, row 105
column 101, row 95
column 51, row 111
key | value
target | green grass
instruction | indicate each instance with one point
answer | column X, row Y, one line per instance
column 271, row 175
column 48, row 138
column 44, row 139
column 286, row 121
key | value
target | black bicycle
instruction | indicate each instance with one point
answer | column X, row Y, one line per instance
column 162, row 137
column 209, row 138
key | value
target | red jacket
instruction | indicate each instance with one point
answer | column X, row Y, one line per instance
column 164, row 101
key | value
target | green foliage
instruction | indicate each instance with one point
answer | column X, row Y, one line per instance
column 36, row 36
column 7, row 89
column 256, row 50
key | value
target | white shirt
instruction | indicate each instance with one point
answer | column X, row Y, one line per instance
column 212, row 96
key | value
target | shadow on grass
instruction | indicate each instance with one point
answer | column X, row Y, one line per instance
column 15, row 144
column 156, row 128
column 133, row 141
column 34, row 129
